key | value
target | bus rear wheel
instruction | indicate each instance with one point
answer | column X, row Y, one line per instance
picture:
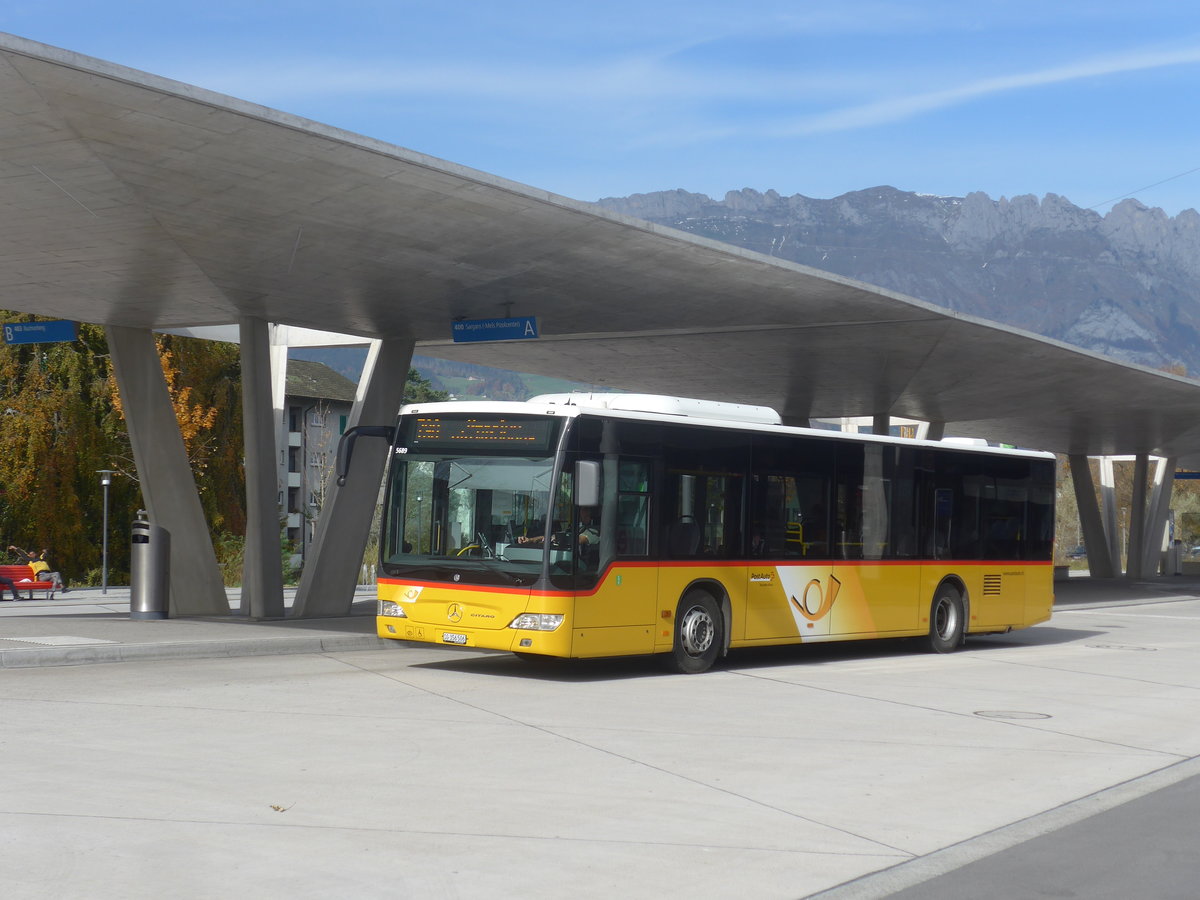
column 699, row 634
column 947, row 620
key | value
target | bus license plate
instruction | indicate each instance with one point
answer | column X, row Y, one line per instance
column 451, row 638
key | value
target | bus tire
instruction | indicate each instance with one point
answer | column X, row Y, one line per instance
column 947, row 620
column 699, row 634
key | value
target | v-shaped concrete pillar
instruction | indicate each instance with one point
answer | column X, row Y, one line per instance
column 165, row 475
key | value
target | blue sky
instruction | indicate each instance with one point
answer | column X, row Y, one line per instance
column 1090, row 100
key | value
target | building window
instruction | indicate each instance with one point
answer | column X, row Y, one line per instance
column 293, row 459
column 293, row 418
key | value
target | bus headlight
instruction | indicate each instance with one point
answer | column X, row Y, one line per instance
column 536, row 622
column 388, row 608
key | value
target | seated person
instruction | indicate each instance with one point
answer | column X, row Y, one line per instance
column 41, row 568
column 587, row 530
column 758, row 545
column 6, row 582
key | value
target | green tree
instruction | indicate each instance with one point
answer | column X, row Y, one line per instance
column 56, row 402
column 211, row 373
column 418, row 389
column 63, row 423
column 204, row 382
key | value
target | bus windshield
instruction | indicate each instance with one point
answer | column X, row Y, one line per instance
column 480, row 518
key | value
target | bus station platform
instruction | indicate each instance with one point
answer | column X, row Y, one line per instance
column 85, row 626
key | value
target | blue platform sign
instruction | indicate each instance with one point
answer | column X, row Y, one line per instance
column 40, row 332
column 520, row 328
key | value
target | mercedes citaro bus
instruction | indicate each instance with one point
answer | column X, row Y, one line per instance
column 595, row 525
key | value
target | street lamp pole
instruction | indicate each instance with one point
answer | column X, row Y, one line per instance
column 105, row 480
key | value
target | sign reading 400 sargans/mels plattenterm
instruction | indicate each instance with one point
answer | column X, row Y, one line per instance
column 40, row 332
column 515, row 329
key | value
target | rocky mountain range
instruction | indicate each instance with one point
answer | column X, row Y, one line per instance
column 1125, row 284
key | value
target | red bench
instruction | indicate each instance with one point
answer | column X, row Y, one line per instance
column 23, row 577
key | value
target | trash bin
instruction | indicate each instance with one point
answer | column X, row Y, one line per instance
column 1175, row 558
column 150, row 569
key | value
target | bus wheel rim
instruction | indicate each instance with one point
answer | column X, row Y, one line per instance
column 696, row 631
column 946, row 618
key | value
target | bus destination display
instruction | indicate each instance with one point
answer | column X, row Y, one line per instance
column 531, row 435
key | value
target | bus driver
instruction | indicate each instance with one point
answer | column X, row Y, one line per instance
column 588, row 531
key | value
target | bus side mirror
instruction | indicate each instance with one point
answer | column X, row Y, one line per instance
column 346, row 445
column 587, row 483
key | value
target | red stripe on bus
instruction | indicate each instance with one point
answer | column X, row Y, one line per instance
column 716, row 564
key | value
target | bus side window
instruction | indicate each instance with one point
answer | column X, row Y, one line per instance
column 684, row 534
column 943, row 516
column 790, row 518
column 790, row 499
column 633, row 508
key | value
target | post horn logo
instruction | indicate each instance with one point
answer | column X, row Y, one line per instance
column 817, row 603
column 454, row 612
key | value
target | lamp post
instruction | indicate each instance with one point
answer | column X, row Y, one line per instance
column 105, row 480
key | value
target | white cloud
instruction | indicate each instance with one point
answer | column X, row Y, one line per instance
column 900, row 108
column 632, row 79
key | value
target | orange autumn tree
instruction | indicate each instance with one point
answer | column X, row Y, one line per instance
column 203, row 381
column 195, row 420
column 55, row 404
column 62, row 422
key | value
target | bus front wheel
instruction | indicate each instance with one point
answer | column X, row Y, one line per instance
column 699, row 633
column 947, row 620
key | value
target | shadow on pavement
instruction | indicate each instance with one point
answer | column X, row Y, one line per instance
column 506, row 665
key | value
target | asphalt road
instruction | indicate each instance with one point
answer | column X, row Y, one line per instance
column 1147, row 847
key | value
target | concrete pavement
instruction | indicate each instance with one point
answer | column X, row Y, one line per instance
column 861, row 770
column 87, row 626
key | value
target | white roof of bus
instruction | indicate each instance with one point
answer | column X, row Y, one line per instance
column 656, row 408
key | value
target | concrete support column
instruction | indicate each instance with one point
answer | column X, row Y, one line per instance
column 165, row 475
column 795, row 412
column 279, row 357
column 881, row 423
column 931, row 431
column 1100, row 560
column 1156, row 517
column 279, row 360
column 1108, row 501
column 330, row 573
column 1137, row 519
column 262, row 576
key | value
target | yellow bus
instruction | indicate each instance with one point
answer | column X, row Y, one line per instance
column 598, row 525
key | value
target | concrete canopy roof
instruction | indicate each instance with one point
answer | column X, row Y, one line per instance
column 128, row 199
